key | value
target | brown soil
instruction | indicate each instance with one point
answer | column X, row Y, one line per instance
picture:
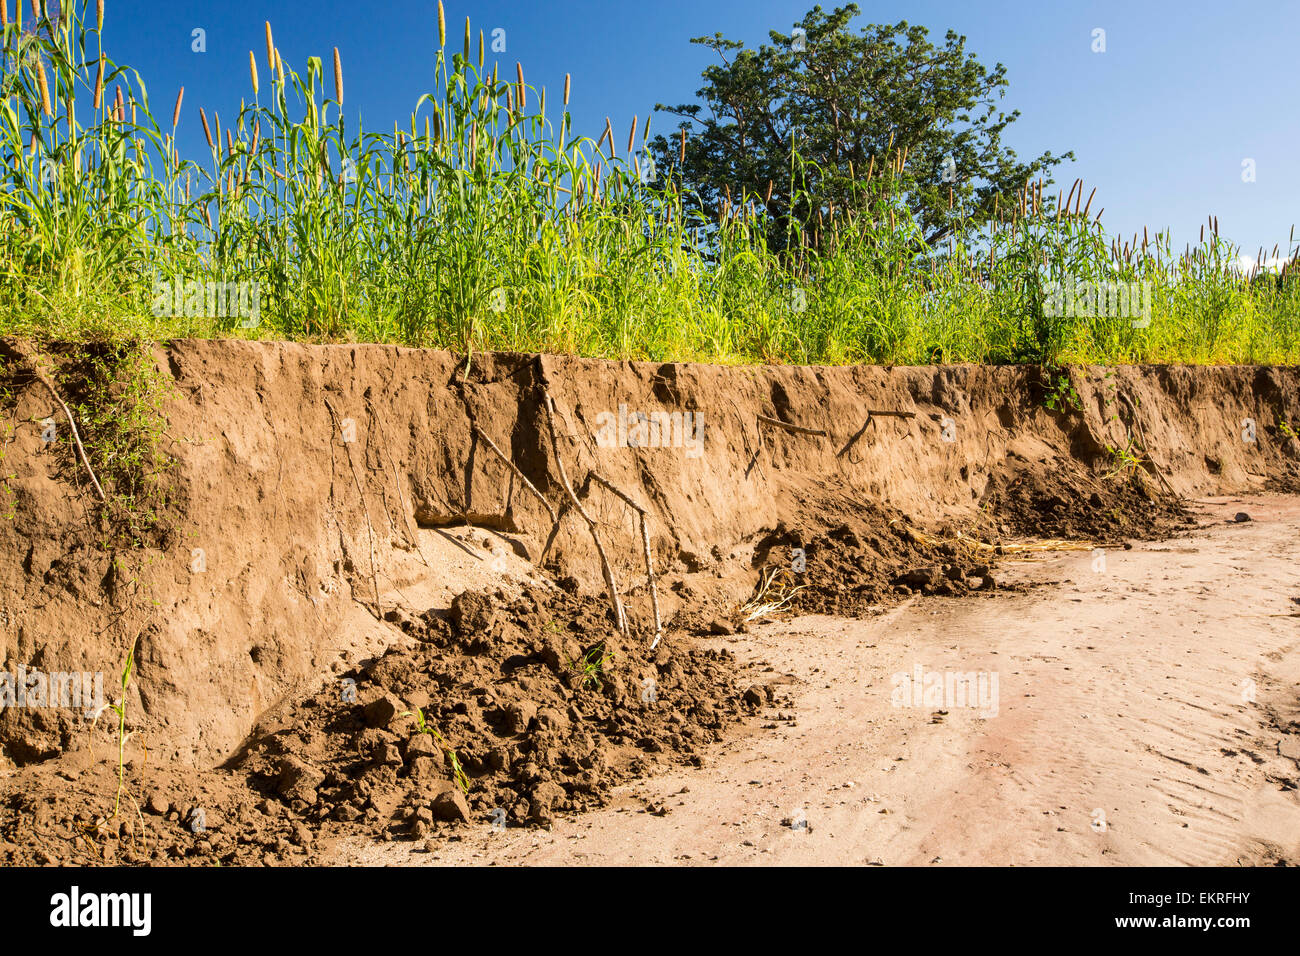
column 354, row 527
column 1106, row 510
column 1123, row 736
column 539, row 701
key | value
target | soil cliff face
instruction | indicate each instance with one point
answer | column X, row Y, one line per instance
column 307, row 480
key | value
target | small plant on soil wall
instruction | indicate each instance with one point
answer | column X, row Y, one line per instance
column 119, row 408
column 8, row 510
column 1128, row 458
column 457, row 771
column 1061, row 394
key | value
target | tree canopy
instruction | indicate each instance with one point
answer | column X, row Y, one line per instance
column 797, row 122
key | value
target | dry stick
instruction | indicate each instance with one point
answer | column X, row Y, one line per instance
column 1147, row 448
column 374, row 575
column 758, row 449
column 645, row 545
column 401, row 503
column 650, row 575
column 518, row 474
column 791, row 428
column 76, row 438
column 631, row 504
column 559, row 519
column 605, row 569
column 401, row 500
column 872, row 412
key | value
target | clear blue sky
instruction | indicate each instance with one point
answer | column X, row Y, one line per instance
column 1160, row 122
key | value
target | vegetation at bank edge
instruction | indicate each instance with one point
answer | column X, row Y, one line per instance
column 488, row 222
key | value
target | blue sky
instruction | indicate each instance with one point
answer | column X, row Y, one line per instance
column 1161, row 122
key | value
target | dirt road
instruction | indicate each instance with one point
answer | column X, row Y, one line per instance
column 1146, row 704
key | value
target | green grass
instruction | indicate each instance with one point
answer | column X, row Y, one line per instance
column 406, row 236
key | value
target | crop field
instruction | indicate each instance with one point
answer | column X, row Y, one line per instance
column 488, row 223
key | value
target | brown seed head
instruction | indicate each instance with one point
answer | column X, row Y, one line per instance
column 43, row 85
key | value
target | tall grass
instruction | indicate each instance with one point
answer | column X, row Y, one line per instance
column 489, row 222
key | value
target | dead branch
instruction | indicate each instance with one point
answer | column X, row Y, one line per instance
column 650, row 576
column 645, row 545
column 518, row 474
column 631, row 504
column 605, row 569
column 799, row 429
column 76, row 438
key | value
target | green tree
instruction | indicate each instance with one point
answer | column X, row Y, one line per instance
column 796, row 123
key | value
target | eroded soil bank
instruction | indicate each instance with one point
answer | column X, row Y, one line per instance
column 341, row 547
column 1148, row 715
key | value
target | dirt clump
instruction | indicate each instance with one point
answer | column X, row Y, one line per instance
column 504, row 712
column 858, row 566
column 500, row 712
column 1068, row 504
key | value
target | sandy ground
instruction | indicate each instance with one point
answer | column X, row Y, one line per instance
column 1141, row 718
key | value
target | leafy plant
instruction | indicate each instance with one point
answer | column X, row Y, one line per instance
column 590, row 668
column 457, row 771
column 1061, row 393
column 1128, row 458
column 118, row 708
column 839, row 102
column 120, row 392
column 8, row 507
